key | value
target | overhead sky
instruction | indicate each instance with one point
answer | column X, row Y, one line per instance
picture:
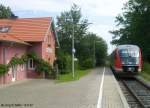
column 101, row 13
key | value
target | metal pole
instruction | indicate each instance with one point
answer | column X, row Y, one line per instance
column 94, row 55
column 73, row 50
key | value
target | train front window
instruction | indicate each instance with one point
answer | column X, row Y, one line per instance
column 129, row 56
column 128, row 53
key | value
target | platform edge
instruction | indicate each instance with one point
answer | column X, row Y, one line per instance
column 123, row 99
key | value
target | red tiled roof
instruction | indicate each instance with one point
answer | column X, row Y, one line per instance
column 9, row 38
column 26, row 29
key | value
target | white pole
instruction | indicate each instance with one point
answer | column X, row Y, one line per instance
column 73, row 51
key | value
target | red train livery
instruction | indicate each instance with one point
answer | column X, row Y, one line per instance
column 126, row 60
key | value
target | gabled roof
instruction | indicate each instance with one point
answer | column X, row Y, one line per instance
column 26, row 29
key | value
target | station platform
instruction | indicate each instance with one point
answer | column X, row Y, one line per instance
column 112, row 96
column 91, row 91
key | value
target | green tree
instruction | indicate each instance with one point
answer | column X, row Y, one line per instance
column 70, row 22
column 100, row 51
column 64, row 62
column 94, row 47
column 5, row 12
column 134, row 26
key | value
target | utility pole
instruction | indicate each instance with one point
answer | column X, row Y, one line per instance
column 73, row 48
column 73, row 51
column 94, row 54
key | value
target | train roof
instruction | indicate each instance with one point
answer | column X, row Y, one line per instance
column 127, row 47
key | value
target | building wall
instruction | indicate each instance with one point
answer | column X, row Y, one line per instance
column 22, row 72
column 10, row 51
column 53, row 45
column 37, row 48
column 48, row 48
column 45, row 50
column 1, row 53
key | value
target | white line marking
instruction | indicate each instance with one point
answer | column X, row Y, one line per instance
column 99, row 104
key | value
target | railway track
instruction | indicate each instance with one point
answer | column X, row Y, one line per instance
column 136, row 93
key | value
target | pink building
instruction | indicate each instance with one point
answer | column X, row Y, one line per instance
column 23, row 35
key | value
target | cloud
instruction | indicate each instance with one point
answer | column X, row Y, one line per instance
column 103, row 31
column 99, row 12
column 89, row 7
column 101, row 7
column 37, row 5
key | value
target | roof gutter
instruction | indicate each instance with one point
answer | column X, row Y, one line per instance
column 16, row 42
column 20, row 41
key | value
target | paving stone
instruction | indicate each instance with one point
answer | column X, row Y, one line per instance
column 111, row 95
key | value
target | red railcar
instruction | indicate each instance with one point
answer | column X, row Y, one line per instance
column 126, row 60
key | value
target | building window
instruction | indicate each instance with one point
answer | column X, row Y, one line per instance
column 31, row 65
column 4, row 29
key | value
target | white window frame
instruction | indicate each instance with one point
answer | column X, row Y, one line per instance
column 31, row 67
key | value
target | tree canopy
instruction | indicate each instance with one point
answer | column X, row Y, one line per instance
column 94, row 47
column 65, row 23
column 71, row 22
column 5, row 12
column 134, row 26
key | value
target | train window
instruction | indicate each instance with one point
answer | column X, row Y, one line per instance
column 128, row 53
column 134, row 53
column 123, row 53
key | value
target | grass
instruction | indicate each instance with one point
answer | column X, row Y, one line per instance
column 146, row 71
column 146, row 76
column 68, row 77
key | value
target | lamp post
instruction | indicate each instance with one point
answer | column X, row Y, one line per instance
column 73, row 51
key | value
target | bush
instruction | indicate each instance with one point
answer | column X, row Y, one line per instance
column 77, row 65
column 43, row 66
column 146, row 67
column 87, row 63
column 3, row 69
column 64, row 63
column 14, row 61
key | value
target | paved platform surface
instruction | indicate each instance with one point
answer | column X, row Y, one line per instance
column 47, row 94
column 41, row 93
column 112, row 94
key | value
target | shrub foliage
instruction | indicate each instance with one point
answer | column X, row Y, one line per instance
column 3, row 69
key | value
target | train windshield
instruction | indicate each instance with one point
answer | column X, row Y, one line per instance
column 129, row 53
column 129, row 56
